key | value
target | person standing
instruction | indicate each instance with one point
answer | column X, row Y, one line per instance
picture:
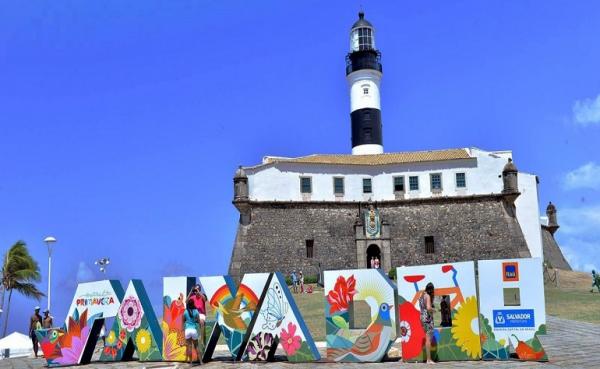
column 199, row 299
column 301, row 281
column 35, row 322
column 294, row 282
column 426, row 307
column 47, row 321
column 191, row 321
column 446, row 312
column 372, row 262
column 376, row 263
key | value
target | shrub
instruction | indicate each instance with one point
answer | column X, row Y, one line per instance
column 392, row 274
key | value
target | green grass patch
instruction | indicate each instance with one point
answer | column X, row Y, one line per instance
column 575, row 304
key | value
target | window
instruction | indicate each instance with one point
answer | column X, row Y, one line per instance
column 365, row 90
column 512, row 297
column 309, row 248
column 367, row 132
column 436, row 181
column 338, row 185
column 461, row 180
column 398, row 184
column 413, row 183
column 429, row 245
column 367, row 185
column 367, row 115
column 305, row 185
column 365, row 40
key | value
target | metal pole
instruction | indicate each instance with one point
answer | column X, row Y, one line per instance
column 49, row 272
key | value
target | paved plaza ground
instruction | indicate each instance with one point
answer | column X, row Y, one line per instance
column 569, row 344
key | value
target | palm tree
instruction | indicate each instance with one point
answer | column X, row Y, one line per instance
column 19, row 272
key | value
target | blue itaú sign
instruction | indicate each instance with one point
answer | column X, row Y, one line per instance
column 521, row 318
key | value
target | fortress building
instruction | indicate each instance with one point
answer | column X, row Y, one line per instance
column 321, row 212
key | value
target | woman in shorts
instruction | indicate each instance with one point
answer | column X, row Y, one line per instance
column 191, row 322
column 426, row 307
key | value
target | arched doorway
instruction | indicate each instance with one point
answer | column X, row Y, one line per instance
column 373, row 252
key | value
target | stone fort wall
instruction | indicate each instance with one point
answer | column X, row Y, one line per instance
column 273, row 235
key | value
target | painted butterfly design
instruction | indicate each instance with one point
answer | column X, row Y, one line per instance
column 276, row 309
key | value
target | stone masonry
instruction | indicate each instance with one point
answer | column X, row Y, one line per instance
column 272, row 236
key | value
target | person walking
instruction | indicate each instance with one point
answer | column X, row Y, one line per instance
column 426, row 307
column 301, row 281
column 47, row 321
column 294, row 282
column 191, row 322
column 35, row 322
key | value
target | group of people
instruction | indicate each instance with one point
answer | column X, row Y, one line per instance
column 375, row 263
column 194, row 319
column 38, row 322
column 297, row 281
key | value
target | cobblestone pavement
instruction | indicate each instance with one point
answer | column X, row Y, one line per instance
column 569, row 344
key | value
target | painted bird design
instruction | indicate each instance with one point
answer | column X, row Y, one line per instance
column 231, row 312
column 50, row 342
column 372, row 344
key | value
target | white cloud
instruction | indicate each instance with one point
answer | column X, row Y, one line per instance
column 582, row 255
column 586, row 176
column 587, row 111
column 84, row 273
column 583, row 222
column 578, row 236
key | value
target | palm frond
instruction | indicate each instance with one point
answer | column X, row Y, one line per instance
column 28, row 290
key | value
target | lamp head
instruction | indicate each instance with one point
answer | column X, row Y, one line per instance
column 49, row 239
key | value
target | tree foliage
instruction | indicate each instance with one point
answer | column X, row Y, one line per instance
column 19, row 273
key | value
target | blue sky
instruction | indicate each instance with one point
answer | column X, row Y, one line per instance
column 121, row 124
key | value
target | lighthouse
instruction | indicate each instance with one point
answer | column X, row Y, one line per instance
column 363, row 73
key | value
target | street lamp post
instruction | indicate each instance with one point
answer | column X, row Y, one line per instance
column 49, row 241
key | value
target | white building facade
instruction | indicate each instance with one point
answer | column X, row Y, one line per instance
column 359, row 178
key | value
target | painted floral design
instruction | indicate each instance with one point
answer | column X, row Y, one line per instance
column 143, row 340
column 462, row 329
column 290, row 342
column 70, row 355
column 413, row 344
column 342, row 294
column 131, row 313
column 111, row 339
column 259, row 346
column 404, row 331
column 172, row 350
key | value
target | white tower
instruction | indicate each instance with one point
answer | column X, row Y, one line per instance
column 363, row 72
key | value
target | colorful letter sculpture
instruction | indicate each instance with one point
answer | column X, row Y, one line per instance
column 234, row 308
column 498, row 321
column 135, row 328
column 342, row 288
column 460, row 341
column 75, row 342
column 175, row 290
column 278, row 321
column 512, row 304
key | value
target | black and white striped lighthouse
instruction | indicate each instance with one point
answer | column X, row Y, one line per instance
column 363, row 72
